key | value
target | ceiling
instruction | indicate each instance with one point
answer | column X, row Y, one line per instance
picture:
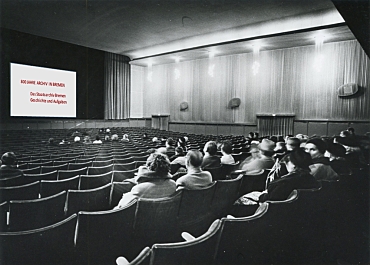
column 156, row 31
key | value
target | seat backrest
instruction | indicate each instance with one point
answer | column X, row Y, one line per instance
column 253, row 182
column 102, row 163
column 12, row 181
column 96, row 229
column 95, row 181
column 66, row 174
column 49, row 245
column 195, row 213
column 88, row 200
column 216, row 172
column 42, row 176
column 23, row 192
column 76, row 166
column 228, row 168
column 226, row 192
column 32, row 214
column 51, row 187
column 4, row 209
column 33, row 170
column 124, row 167
column 198, row 251
column 46, row 169
column 119, row 176
column 118, row 189
column 99, row 170
column 156, row 221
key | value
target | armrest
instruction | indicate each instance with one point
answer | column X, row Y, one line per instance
column 187, row 236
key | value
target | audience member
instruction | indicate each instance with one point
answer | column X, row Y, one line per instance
column 195, row 177
column 226, row 149
column 8, row 166
column 51, row 142
column 210, row 159
column 125, row 138
column 179, row 153
column 263, row 161
column 182, row 143
column 114, row 137
column 170, row 146
column 292, row 143
column 97, row 140
column 298, row 177
column 336, row 154
column 153, row 182
column 320, row 167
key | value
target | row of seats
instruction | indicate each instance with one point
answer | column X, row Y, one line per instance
column 288, row 232
column 307, row 228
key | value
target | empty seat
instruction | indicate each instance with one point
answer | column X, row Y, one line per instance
column 197, row 219
column 32, row 214
column 124, row 167
column 46, row 169
column 98, row 163
column 52, row 244
column 99, row 170
column 23, row 192
column 196, row 251
column 226, row 192
column 42, row 176
column 4, row 209
column 75, row 166
column 118, row 189
column 51, row 187
column 34, row 170
column 253, row 183
column 96, row 229
column 88, row 200
column 94, row 181
column 119, row 176
column 66, row 174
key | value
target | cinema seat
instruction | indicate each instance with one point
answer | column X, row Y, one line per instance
column 52, row 244
column 37, row 213
column 195, row 214
column 88, row 200
column 51, row 187
column 102, row 236
column 23, row 192
column 95, row 181
column 66, row 174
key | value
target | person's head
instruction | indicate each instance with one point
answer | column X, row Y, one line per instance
column 335, row 151
column 210, row 148
column 170, row 142
column 267, row 147
column 351, row 130
column 97, row 138
column 251, row 135
column 344, row 134
column 292, row 143
column 151, row 150
column 226, row 148
column 194, row 158
column 159, row 163
column 273, row 138
column 8, row 159
column 315, row 147
column 179, row 151
column 280, row 147
column 51, row 140
column 297, row 159
column 253, row 150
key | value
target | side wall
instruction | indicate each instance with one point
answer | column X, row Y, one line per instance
column 300, row 80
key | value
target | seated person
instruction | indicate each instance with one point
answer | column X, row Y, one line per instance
column 8, row 166
column 264, row 161
column 97, row 140
column 114, row 137
column 153, row 182
column 336, row 154
column 64, row 142
column 195, row 177
column 87, row 140
column 77, row 139
column 227, row 158
column 179, row 153
column 298, row 177
column 320, row 167
column 125, row 138
column 182, row 143
column 170, row 147
column 210, row 159
column 51, row 142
